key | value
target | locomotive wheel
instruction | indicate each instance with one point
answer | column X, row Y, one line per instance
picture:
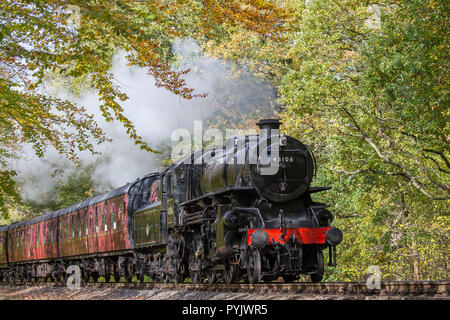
column 195, row 262
column 253, row 265
column 141, row 277
column 195, row 277
column 86, row 277
column 230, row 274
column 129, row 278
column 65, row 276
column 166, row 279
column 60, row 278
column 180, row 274
column 316, row 277
column 212, row 277
column 179, row 278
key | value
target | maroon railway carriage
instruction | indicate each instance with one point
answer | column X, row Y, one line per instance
column 80, row 233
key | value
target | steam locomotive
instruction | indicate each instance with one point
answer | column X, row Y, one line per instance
column 242, row 212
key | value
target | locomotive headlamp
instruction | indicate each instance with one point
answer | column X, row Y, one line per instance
column 260, row 238
column 334, row 236
column 283, row 140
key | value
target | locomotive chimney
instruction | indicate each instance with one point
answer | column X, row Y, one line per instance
column 269, row 124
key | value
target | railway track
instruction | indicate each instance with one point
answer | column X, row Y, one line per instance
column 425, row 289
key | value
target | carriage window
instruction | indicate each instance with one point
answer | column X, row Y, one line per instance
column 28, row 238
column 65, row 225
column 119, row 218
column 72, row 226
column 39, row 234
column 104, row 221
column 79, row 223
column 124, row 211
column 51, row 232
column 113, row 220
column 91, row 221
column 96, row 220
column 67, row 228
column 86, row 224
column 113, row 216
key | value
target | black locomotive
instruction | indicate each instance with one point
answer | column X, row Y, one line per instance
column 234, row 220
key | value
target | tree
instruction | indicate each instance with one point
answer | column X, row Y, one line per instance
column 77, row 39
